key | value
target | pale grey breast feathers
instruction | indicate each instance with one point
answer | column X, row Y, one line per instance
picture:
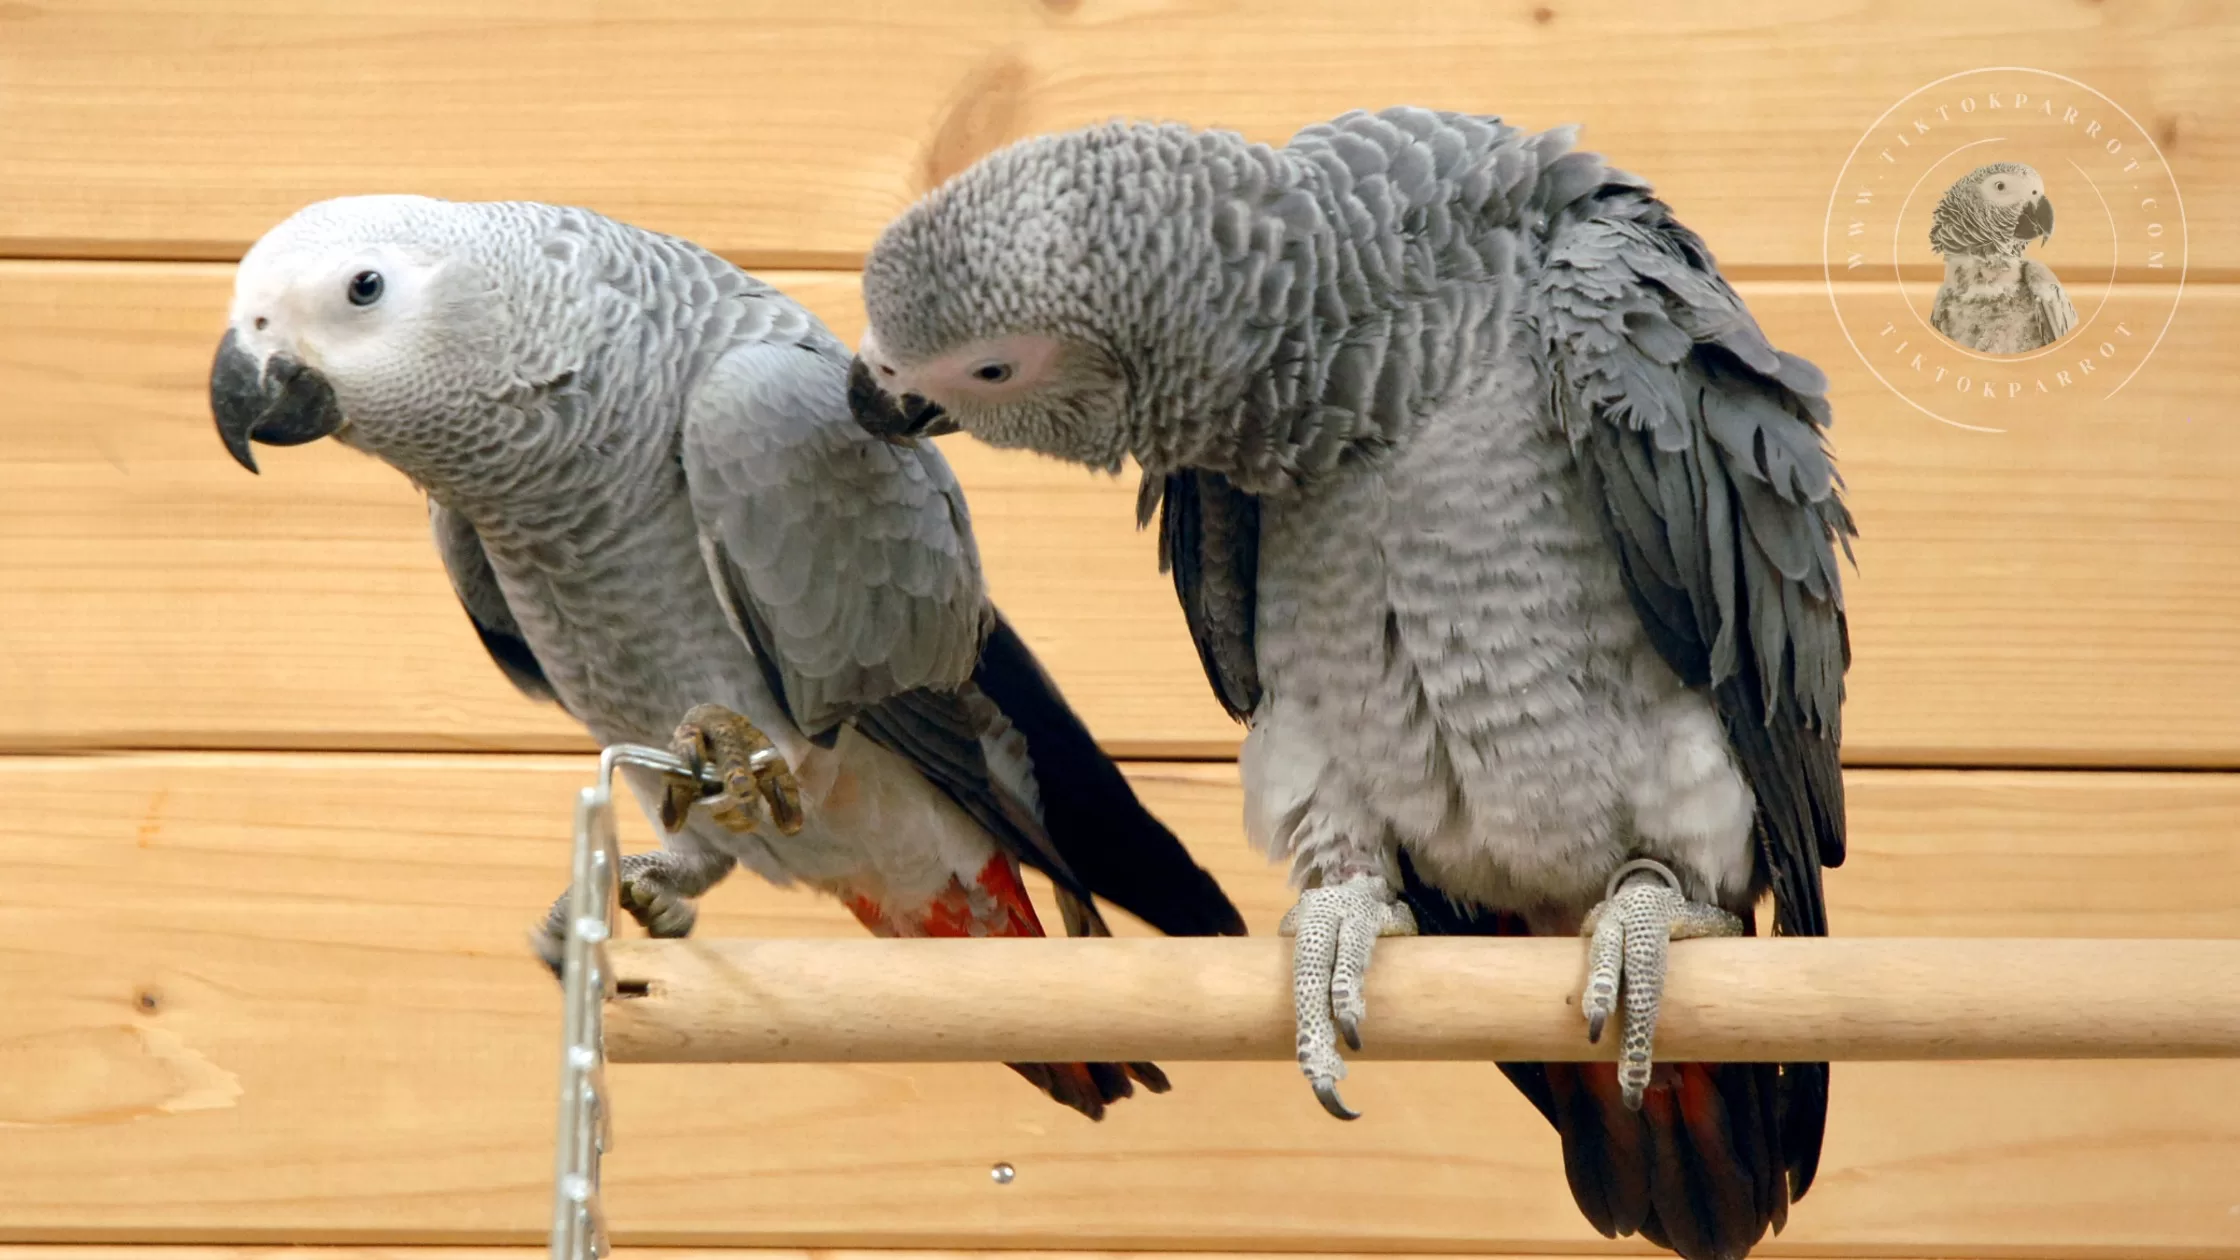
column 1395, row 278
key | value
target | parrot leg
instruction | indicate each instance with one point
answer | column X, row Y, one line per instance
column 659, row 889
column 1642, row 911
column 1335, row 928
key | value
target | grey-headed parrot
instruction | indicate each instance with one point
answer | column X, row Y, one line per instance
column 645, row 484
column 1993, row 299
column 1499, row 522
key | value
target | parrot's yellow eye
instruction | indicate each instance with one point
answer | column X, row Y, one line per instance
column 365, row 288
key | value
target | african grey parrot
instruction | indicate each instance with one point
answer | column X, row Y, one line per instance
column 645, row 484
column 1495, row 517
column 1993, row 299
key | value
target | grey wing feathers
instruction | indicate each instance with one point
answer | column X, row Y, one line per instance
column 1704, row 445
column 850, row 560
column 1209, row 540
column 849, row 565
column 476, row 585
column 2056, row 314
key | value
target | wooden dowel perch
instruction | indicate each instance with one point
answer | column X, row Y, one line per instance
column 841, row 1001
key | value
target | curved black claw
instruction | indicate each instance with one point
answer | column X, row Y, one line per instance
column 1327, row 1094
column 1350, row 1030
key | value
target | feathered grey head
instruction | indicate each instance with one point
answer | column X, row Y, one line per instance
column 402, row 326
column 1992, row 211
column 1194, row 300
column 1073, row 294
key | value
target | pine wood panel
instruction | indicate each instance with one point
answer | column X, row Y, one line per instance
column 2067, row 592
column 789, row 135
column 161, row 1251
column 256, row 998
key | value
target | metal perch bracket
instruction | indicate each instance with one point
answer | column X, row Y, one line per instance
column 579, row 1230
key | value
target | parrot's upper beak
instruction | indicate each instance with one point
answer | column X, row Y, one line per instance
column 2036, row 221
column 884, row 417
column 279, row 402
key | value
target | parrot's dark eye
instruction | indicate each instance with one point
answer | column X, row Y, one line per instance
column 365, row 288
column 993, row 373
column 2001, row 185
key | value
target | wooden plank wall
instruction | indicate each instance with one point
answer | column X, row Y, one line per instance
column 275, row 828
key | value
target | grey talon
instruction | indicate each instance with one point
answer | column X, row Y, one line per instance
column 1336, row 1106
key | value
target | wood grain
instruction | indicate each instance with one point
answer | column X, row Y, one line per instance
column 161, row 1251
column 174, row 1251
column 2064, row 593
column 789, row 136
column 255, row 998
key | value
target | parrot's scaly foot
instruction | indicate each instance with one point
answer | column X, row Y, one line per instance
column 756, row 779
column 1641, row 912
column 658, row 889
column 1335, row 928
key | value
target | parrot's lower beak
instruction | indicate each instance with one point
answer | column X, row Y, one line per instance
column 2036, row 221
column 278, row 402
column 884, row 417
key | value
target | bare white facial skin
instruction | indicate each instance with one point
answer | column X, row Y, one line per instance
column 1018, row 390
column 350, row 312
column 986, row 374
column 2006, row 190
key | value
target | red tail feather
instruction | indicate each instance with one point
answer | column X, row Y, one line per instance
column 995, row 903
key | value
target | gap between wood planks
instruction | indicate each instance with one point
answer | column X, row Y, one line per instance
column 626, row 1252
column 44, row 249
column 1126, row 752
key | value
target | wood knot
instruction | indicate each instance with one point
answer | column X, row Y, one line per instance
column 1064, row 8
column 982, row 115
column 147, row 1001
column 2166, row 134
column 1542, row 15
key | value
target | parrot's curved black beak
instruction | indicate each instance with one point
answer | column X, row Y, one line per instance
column 884, row 417
column 279, row 402
column 2035, row 222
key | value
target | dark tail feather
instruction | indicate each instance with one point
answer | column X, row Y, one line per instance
column 1802, row 1104
column 1710, row 1162
column 1695, row 1170
column 1110, row 1079
column 1117, row 849
column 1089, row 1087
column 1606, row 1154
